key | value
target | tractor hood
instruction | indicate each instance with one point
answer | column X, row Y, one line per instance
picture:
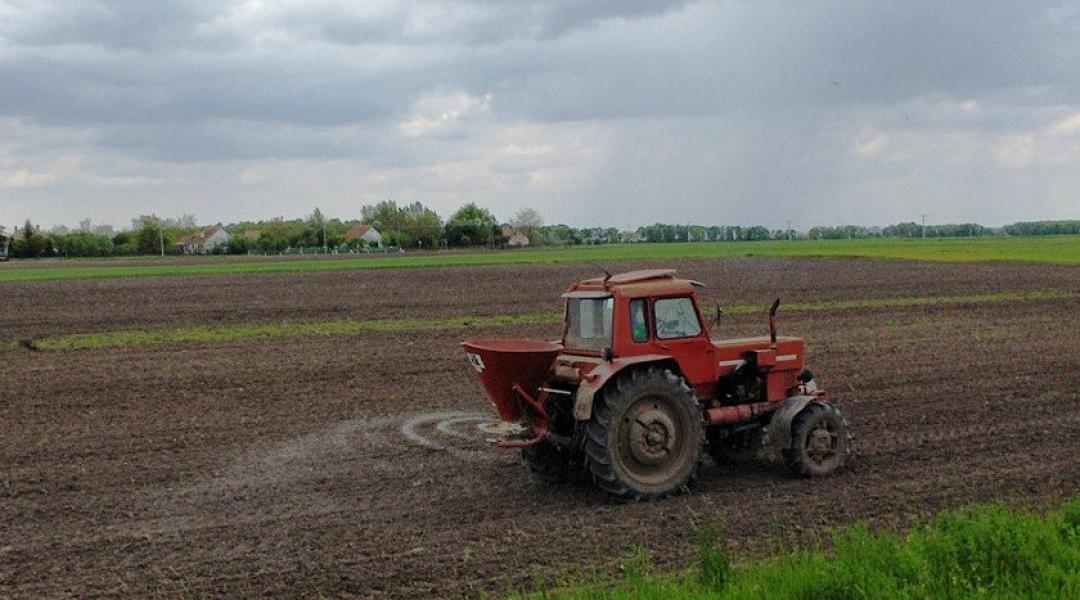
column 501, row 364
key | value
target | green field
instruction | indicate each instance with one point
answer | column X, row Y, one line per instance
column 986, row 552
column 1039, row 249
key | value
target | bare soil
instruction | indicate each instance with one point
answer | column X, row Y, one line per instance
column 35, row 309
column 352, row 466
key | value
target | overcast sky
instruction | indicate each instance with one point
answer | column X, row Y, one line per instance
column 600, row 112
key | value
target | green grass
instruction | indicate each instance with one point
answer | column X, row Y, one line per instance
column 985, row 552
column 340, row 327
column 253, row 332
column 1037, row 249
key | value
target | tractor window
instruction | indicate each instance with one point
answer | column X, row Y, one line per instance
column 639, row 327
column 588, row 323
column 676, row 318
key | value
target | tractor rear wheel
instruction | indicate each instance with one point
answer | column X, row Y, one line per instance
column 820, row 441
column 547, row 462
column 645, row 438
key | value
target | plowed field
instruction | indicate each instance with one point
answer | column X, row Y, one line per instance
column 352, row 465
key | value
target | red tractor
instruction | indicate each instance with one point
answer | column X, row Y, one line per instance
column 636, row 391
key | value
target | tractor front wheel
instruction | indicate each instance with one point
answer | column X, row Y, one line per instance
column 820, row 441
column 645, row 438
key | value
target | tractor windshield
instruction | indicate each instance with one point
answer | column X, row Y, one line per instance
column 588, row 323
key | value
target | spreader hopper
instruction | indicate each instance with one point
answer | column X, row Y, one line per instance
column 508, row 367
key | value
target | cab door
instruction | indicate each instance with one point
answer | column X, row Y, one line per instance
column 678, row 331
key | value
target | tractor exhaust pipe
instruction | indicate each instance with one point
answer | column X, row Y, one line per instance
column 772, row 322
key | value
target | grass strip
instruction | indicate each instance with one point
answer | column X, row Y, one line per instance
column 242, row 333
column 340, row 327
column 910, row 301
column 1036, row 249
column 988, row 552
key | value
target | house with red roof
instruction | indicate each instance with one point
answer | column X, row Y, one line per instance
column 205, row 241
column 361, row 231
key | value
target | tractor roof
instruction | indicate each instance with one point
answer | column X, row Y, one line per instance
column 651, row 282
column 632, row 277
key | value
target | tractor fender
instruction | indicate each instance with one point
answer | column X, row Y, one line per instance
column 780, row 425
column 605, row 372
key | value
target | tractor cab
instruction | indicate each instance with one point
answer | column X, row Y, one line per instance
column 652, row 313
column 639, row 314
column 627, row 314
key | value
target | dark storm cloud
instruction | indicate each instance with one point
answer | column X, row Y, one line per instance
column 137, row 25
column 181, row 62
column 818, row 99
column 455, row 22
column 793, row 56
column 157, row 62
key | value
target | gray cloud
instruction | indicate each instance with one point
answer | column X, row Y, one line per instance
column 819, row 111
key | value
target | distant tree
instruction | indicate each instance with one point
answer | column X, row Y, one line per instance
column 907, row 230
column 423, row 226
column 148, row 234
column 103, row 229
column 123, row 243
column 528, row 221
column 32, row 243
column 82, row 244
column 238, row 244
column 317, row 223
column 560, row 235
column 184, row 221
column 274, row 236
column 384, row 216
column 396, row 239
column 471, row 225
column 755, row 233
column 1043, row 228
column 411, row 226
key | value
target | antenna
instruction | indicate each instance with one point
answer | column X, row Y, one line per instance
column 607, row 274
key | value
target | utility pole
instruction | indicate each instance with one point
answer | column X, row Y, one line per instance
column 924, row 226
column 789, row 232
column 161, row 236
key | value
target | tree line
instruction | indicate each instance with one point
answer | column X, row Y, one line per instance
column 413, row 226
column 953, row 230
column 416, row 226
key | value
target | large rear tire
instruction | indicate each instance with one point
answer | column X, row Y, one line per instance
column 646, row 435
column 820, row 441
